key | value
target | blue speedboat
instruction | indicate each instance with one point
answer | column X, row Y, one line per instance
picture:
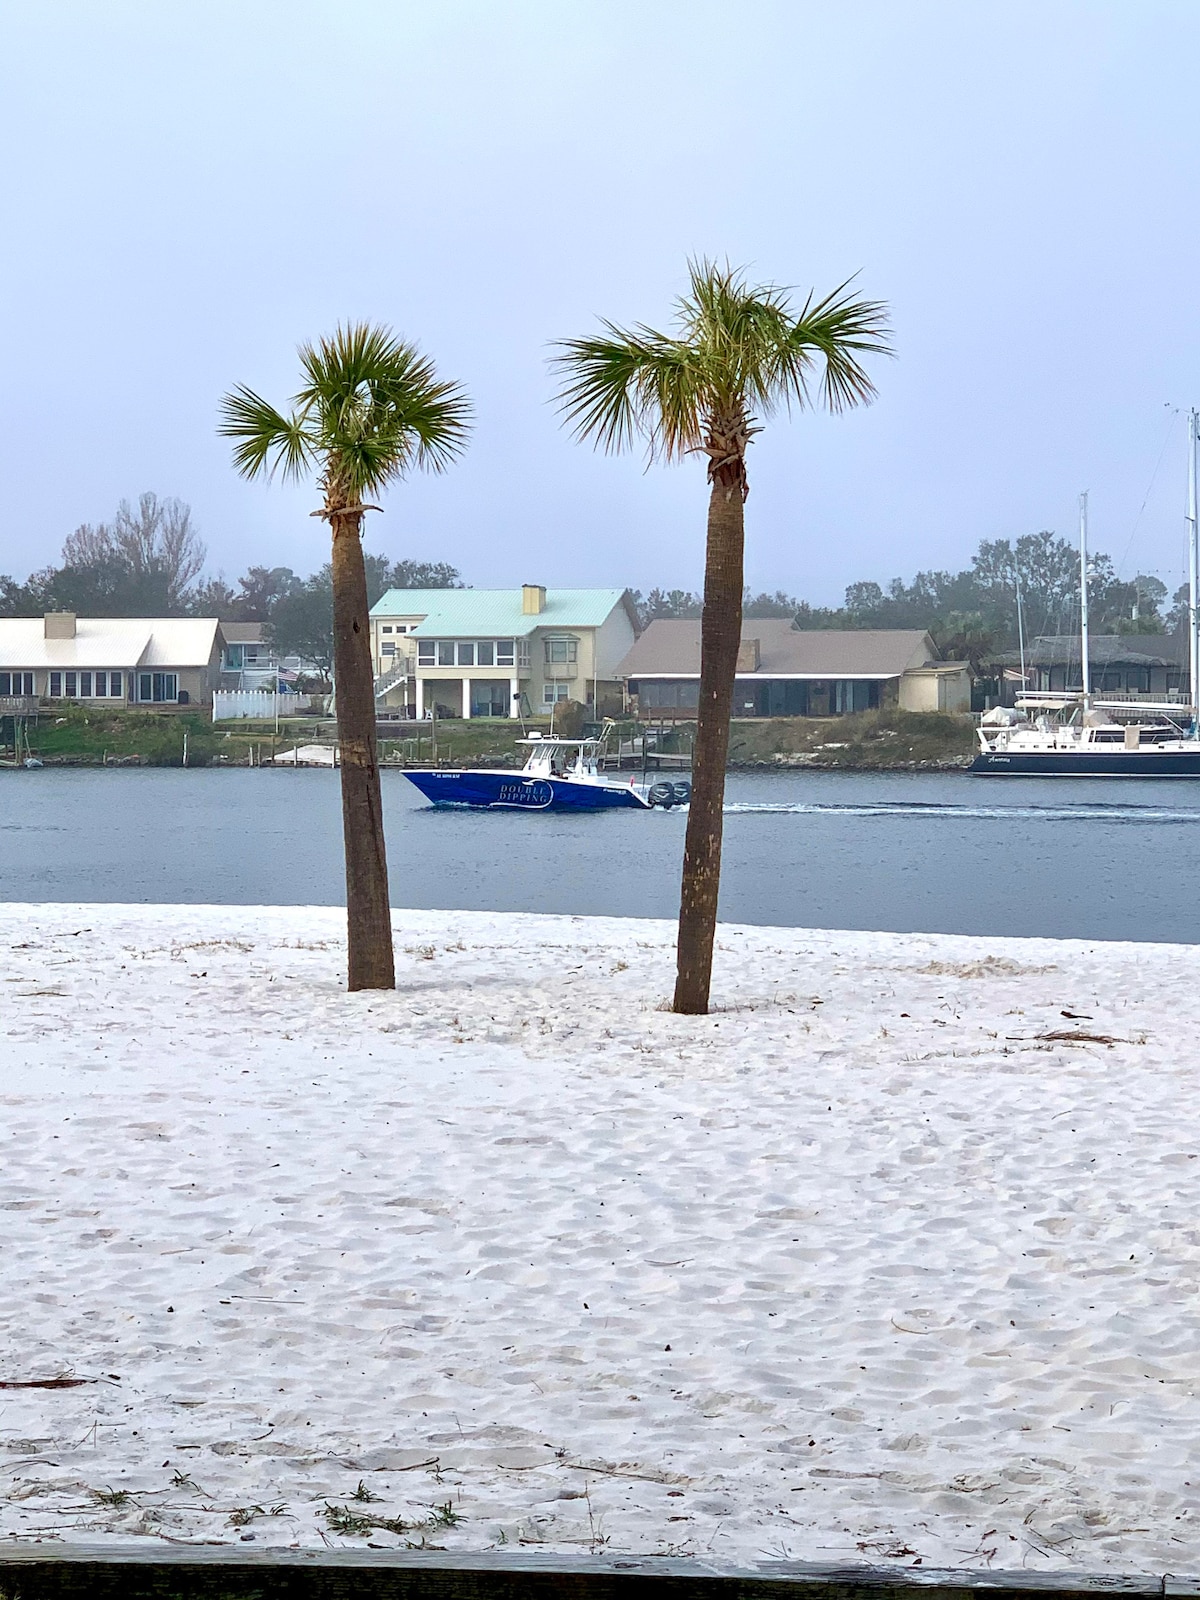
column 559, row 775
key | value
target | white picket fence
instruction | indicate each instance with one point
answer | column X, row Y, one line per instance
column 236, row 705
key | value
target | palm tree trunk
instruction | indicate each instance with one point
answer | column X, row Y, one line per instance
column 368, row 912
column 720, row 638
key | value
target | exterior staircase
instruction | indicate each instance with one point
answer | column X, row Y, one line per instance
column 388, row 681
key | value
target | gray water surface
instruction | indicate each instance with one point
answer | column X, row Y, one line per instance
column 938, row 852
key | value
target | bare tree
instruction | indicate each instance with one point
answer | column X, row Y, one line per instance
column 154, row 547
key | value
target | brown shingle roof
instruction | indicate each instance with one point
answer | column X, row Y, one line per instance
column 1104, row 650
column 243, row 632
column 670, row 648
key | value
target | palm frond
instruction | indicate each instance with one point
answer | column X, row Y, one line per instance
column 841, row 329
column 626, row 384
column 267, row 441
column 370, row 409
column 380, row 406
column 739, row 349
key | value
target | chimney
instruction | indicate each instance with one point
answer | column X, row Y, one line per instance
column 59, row 625
column 747, row 656
column 533, row 599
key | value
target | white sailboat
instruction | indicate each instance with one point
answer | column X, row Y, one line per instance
column 1071, row 735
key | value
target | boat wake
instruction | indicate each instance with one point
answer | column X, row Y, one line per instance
column 1082, row 812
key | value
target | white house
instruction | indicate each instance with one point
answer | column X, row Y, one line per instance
column 498, row 652
column 111, row 661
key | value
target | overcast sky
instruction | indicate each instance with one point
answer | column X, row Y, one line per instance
column 190, row 189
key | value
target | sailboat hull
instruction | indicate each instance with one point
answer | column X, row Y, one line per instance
column 1095, row 761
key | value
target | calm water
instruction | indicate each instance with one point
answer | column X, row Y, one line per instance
column 936, row 852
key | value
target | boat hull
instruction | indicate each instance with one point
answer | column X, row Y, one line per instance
column 517, row 791
column 1096, row 762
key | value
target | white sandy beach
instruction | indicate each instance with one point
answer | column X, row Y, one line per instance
column 864, row 1266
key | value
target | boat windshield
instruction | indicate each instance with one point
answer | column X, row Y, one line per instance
column 562, row 758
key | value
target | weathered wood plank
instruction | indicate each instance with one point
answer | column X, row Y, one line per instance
column 51, row 1570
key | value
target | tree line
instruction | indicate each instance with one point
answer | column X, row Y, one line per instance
column 148, row 560
column 973, row 614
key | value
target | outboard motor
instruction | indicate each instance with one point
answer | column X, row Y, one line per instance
column 683, row 793
column 662, row 794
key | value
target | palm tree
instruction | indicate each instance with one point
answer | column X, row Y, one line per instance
column 739, row 353
column 370, row 409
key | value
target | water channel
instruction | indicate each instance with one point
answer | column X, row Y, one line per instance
column 938, row 852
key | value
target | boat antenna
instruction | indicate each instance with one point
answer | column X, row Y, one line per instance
column 1193, row 575
column 1083, row 599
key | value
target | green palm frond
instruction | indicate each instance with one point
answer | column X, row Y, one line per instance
column 738, row 349
column 841, row 329
column 381, row 406
column 267, row 441
column 371, row 409
column 621, row 385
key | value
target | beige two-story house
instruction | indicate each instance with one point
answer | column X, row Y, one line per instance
column 499, row 652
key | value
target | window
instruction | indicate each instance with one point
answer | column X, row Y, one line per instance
column 401, row 627
column 485, row 653
column 158, row 688
column 114, row 684
column 388, row 647
column 233, row 658
column 466, row 653
column 445, row 652
column 72, row 684
column 56, row 686
column 552, row 693
column 658, row 696
column 504, row 652
column 101, row 684
column 562, row 650
column 387, row 628
column 16, row 683
column 85, row 685
column 490, row 699
column 425, row 652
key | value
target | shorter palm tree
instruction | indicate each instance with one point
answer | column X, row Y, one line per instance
column 739, row 353
column 371, row 408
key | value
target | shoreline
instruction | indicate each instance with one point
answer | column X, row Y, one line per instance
column 891, row 1257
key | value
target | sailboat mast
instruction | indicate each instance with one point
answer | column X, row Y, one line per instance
column 1083, row 598
column 1193, row 575
column 1020, row 626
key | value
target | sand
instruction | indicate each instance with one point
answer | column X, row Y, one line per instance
column 895, row 1257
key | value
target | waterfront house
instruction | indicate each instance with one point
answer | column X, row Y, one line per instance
column 783, row 671
column 499, row 652
column 249, row 661
column 159, row 662
column 1124, row 666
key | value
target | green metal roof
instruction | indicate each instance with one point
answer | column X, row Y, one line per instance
column 495, row 613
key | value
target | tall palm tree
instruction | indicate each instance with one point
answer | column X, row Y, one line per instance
column 739, row 353
column 371, row 408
